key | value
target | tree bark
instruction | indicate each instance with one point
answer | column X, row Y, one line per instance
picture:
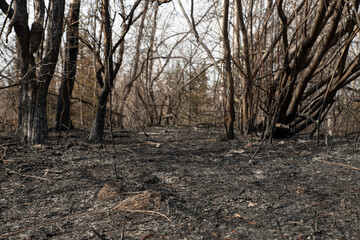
column 63, row 116
column 35, row 129
column 99, row 123
column 110, row 68
column 246, row 79
column 318, row 56
column 32, row 115
column 230, row 109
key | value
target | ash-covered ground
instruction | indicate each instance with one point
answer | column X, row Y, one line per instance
column 184, row 183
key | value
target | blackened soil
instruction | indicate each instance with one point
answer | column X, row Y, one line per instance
column 183, row 183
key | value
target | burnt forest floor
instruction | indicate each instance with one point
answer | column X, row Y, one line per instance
column 184, row 183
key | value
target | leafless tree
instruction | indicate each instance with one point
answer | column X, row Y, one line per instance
column 292, row 61
column 228, row 75
column 62, row 118
column 32, row 115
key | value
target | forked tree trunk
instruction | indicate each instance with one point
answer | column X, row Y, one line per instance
column 97, row 130
column 110, row 69
column 63, row 116
column 33, row 98
column 37, row 112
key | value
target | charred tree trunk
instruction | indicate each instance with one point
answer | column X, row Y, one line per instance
column 109, row 76
column 36, row 127
column 246, row 79
column 63, row 116
column 33, row 92
column 228, row 78
column 149, row 79
column 107, row 73
column 296, row 95
column 99, row 123
column 306, row 63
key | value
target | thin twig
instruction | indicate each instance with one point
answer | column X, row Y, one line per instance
column 29, row 176
column 339, row 164
column 110, row 122
column 315, row 224
column 123, row 234
column 280, row 231
column 8, row 15
column 98, row 234
column 256, row 151
column 146, row 211
column 4, row 153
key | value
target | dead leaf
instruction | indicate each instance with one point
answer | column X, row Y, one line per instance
column 217, row 235
column 236, row 215
column 145, row 200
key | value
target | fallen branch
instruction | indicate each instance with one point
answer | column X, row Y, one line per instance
column 339, row 164
column 143, row 211
column 29, row 176
column 4, row 154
